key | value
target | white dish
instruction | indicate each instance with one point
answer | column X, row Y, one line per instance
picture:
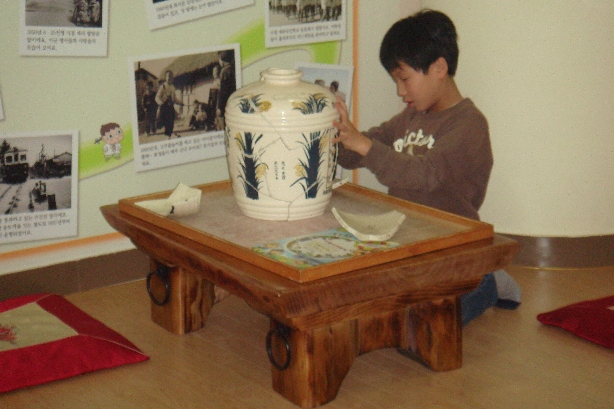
column 370, row 227
column 183, row 201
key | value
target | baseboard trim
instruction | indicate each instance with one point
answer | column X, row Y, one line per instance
column 75, row 276
column 564, row 252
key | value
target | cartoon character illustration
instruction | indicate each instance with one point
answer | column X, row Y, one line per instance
column 112, row 134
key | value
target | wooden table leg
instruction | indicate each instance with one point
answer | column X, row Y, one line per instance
column 189, row 303
column 320, row 358
column 435, row 334
column 319, row 361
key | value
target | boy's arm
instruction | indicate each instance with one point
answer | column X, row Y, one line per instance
column 348, row 135
column 354, row 145
column 459, row 151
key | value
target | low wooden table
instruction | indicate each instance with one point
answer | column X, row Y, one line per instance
column 318, row 326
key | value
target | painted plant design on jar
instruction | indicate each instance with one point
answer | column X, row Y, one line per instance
column 308, row 169
column 314, row 147
column 251, row 104
column 313, row 105
column 275, row 126
column 252, row 169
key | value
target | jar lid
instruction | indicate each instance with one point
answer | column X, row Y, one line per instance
column 281, row 76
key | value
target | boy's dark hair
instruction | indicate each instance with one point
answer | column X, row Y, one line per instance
column 419, row 40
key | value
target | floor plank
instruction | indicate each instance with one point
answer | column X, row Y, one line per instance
column 510, row 360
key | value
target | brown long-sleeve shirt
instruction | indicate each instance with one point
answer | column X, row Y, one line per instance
column 441, row 159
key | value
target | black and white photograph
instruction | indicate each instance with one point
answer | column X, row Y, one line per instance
column 63, row 27
column 337, row 78
column 38, row 186
column 163, row 13
column 290, row 22
column 64, row 13
column 178, row 104
column 289, row 12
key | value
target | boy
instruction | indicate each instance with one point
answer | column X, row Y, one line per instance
column 437, row 151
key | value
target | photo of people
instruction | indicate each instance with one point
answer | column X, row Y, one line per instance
column 38, row 185
column 64, row 13
column 337, row 78
column 163, row 13
column 292, row 22
column 55, row 28
column 286, row 12
column 182, row 97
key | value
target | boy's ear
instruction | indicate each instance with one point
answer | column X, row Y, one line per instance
column 441, row 67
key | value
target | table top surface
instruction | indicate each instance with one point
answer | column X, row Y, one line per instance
column 445, row 272
column 219, row 224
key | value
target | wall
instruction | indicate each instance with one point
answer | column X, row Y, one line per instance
column 56, row 93
column 377, row 100
column 49, row 93
column 541, row 72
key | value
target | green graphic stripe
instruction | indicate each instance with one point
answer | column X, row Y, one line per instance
column 91, row 157
column 253, row 49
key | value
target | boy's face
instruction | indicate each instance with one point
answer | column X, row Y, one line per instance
column 418, row 89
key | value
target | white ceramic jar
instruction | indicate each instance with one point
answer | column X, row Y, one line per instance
column 278, row 145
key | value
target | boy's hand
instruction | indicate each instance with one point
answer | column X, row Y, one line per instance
column 349, row 136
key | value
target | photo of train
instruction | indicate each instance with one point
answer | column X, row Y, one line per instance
column 55, row 167
column 14, row 167
column 35, row 174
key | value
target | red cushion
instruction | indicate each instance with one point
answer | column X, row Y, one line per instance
column 87, row 344
column 592, row 320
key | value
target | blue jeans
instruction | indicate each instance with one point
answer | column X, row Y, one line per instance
column 474, row 304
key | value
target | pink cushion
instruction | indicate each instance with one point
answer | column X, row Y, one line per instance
column 44, row 338
column 592, row 320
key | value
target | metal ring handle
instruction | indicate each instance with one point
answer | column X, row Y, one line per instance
column 162, row 273
column 280, row 332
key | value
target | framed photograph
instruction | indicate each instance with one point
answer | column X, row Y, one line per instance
column 292, row 22
column 38, row 185
column 63, row 27
column 178, row 104
column 337, row 78
column 163, row 13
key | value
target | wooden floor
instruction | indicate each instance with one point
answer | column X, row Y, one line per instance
column 510, row 359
